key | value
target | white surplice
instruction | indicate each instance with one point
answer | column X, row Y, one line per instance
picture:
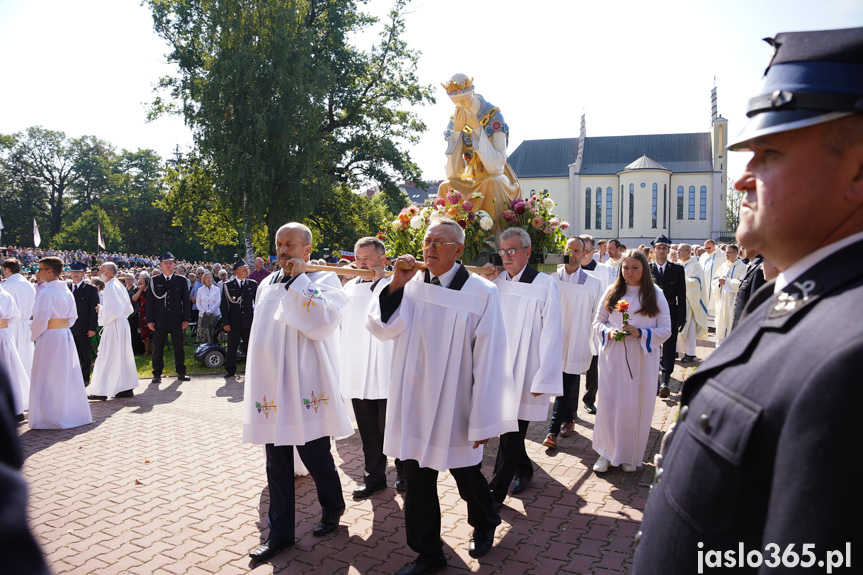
column 18, row 378
column 450, row 385
column 623, row 421
column 114, row 370
column 710, row 264
column 725, row 295
column 531, row 314
column 292, row 391
column 578, row 302
column 24, row 294
column 58, row 399
column 364, row 360
column 696, row 309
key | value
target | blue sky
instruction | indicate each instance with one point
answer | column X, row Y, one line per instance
column 88, row 66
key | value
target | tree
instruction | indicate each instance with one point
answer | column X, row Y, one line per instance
column 285, row 111
column 82, row 233
column 732, row 208
column 344, row 217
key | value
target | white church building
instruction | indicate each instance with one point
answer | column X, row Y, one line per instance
column 633, row 187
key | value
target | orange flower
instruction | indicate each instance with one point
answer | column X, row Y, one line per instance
column 453, row 211
column 405, row 217
column 623, row 306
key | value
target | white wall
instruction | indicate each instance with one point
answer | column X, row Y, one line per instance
column 697, row 227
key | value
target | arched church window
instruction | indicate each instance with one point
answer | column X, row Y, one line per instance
column 608, row 199
column 702, row 213
column 587, row 209
column 679, row 202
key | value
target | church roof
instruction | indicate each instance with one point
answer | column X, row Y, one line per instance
column 609, row 155
column 644, row 163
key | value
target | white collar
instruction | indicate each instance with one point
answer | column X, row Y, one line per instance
column 799, row 267
column 447, row 277
column 517, row 276
column 564, row 276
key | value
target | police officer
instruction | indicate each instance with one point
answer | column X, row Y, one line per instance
column 86, row 299
column 238, row 310
column 169, row 310
column 767, row 441
column 671, row 278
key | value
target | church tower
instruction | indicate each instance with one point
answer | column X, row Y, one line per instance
column 718, row 145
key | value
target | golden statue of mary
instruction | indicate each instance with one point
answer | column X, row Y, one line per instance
column 477, row 137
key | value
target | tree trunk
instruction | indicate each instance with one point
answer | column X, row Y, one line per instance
column 247, row 230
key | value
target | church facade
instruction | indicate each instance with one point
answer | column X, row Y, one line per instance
column 633, row 187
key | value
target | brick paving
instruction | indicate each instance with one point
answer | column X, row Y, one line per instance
column 162, row 483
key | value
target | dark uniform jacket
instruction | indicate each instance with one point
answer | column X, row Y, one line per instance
column 673, row 285
column 767, row 445
column 238, row 306
column 86, row 300
column 174, row 308
column 752, row 280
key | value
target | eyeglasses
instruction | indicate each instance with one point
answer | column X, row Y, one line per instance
column 435, row 245
column 510, row 252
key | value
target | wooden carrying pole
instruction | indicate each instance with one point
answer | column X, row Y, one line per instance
column 347, row 271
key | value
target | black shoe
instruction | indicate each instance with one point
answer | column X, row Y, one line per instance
column 97, row 397
column 481, row 542
column 590, row 408
column 19, row 418
column 419, row 568
column 329, row 523
column 230, row 374
column 156, row 379
column 402, row 486
column 269, row 549
column 183, row 377
column 687, row 359
column 127, row 393
column 368, row 490
column 664, row 391
column 519, row 484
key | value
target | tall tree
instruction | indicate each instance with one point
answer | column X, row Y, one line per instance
column 284, row 109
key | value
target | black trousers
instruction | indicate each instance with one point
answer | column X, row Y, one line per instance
column 591, row 385
column 422, row 507
column 178, row 336
column 512, row 461
column 669, row 351
column 234, row 337
column 561, row 410
column 318, row 459
column 371, row 417
column 194, row 322
column 85, row 355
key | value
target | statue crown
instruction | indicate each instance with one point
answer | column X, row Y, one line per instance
column 452, row 87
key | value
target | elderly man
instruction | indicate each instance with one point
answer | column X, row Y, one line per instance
column 260, row 272
column 533, row 333
column 768, row 431
column 86, row 300
column 710, row 261
column 726, row 283
column 57, row 396
column 169, row 311
column 238, row 310
column 365, row 369
column 24, row 294
column 696, row 311
column 114, row 374
column 291, row 396
column 450, row 388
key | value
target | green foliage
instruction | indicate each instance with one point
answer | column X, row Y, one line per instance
column 344, row 217
column 82, row 233
column 732, row 208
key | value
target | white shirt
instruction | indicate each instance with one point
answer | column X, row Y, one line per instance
column 799, row 267
column 447, row 277
column 516, row 277
column 572, row 278
column 208, row 300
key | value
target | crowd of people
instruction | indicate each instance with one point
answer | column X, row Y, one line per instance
column 437, row 359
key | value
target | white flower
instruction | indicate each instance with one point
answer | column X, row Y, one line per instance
column 416, row 222
column 397, row 225
column 425, row 213
column 486, row 223
column 476, row 195
column 482, row 214
column 548, row 203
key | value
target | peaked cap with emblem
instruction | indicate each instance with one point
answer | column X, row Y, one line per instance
column 78, row 267
column 167, row 257
column 661, row 240
column 240, row 264
column 812, row 78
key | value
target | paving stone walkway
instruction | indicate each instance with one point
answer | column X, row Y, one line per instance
column 162, row 483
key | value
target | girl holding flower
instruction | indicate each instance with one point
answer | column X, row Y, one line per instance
column 631, row 324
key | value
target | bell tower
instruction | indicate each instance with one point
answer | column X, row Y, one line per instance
column 718, row 145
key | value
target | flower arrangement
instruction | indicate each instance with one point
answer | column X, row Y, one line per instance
column 405, row 234
column 535, row 216
column 623, row 307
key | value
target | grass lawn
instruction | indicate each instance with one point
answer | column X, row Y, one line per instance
column 144, row 363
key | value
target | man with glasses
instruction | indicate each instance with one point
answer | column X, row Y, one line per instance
column 532, row 319
column 450, row 387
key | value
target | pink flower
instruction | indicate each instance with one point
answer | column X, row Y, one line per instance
column 548, row 230
column 439, row 203
column 554, row 222
column 471, row 216
column 519, row 207
column 564, row 225
column 454, row 197
column 467, row 205
column 538, row 223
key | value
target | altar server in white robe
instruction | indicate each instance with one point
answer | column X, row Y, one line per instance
column 18, row 377
column 603, row 273
column 710, row 261
column 628, row 364
column 530, row 302
column 292, row 396
column 24, row 294
column 58, row 399
column 726, row 282
column 114, row 373
column 696, row 309
column 450, row 388
column 365, row 368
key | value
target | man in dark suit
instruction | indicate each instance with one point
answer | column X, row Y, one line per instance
column 86, row 299
column 752, row 280
column 169, row 310
column 238, row 310
column 671, row 278
column 767, row 437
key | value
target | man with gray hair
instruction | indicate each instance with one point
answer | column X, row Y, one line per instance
column 531, row 304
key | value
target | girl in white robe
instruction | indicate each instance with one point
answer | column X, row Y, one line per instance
column 24, row 294
column 628, row 369
column 9, row 352
column 114, row 370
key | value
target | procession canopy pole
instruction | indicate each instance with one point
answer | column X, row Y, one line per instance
column 346, row 271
